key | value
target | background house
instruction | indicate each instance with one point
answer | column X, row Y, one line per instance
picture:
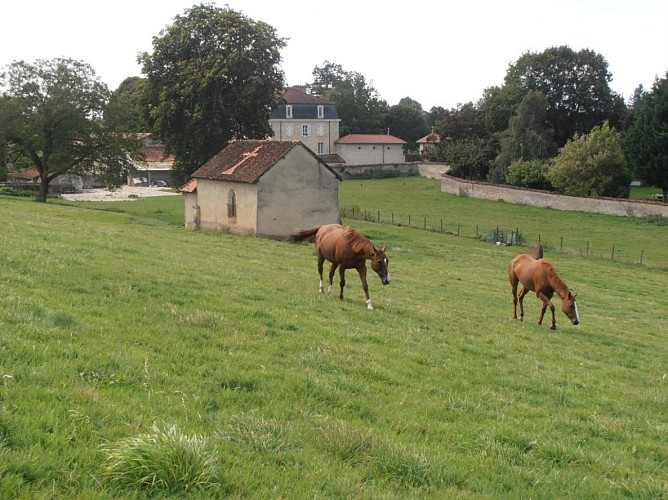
column 307, row 118
column 370, row 149
column 262, row 188
column 428, row 142
column 155, row 168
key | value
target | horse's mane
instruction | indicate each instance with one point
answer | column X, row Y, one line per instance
column 358, row 242
column 557, row 283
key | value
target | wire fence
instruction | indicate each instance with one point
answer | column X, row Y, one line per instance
column 497, row 235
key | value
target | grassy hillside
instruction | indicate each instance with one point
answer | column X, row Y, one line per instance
column 138, row 358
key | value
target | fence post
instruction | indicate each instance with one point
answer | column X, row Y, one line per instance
column 409, row 220
column 561, row 247
column 612, row 256
column 641, row 252
column 379, row 216
column 425, row 222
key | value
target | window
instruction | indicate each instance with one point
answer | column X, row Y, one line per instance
column 231, row 203
column 305, row 130
column 321, row 130
column 321, row 148
column 288, row 111
column 321, row 111
column 290, row 132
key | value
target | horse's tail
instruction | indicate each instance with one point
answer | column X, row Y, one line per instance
column 539, row 251
column 302, row 235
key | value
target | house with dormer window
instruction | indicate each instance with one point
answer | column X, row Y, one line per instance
column 306, row 118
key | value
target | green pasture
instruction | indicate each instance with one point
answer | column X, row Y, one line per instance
column 140, row 360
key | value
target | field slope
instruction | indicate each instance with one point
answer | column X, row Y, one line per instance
column 122, row 334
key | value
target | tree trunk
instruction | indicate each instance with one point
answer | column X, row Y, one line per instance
column 43, row 190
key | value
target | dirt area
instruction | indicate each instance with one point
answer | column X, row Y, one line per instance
column 123, row 193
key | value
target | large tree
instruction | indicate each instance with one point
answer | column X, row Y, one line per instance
column 592, row 165
column 357, row 102
column 126, row 110
column 646, row 142
column 528, row 136
column 576, row 85
column 51, row 118
column 406, row 122
column 213, row 77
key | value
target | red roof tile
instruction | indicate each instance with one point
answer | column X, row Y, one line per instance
column 296, row 96
column 369, row 139
column 244, row 161
column 189, row 187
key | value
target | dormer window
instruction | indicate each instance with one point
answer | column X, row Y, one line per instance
column 288, row 111
column 321, row 111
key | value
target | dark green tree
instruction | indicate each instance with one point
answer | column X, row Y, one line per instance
column 126, row 110
column 528, row 137
column 213, row 77
column 463, row 122
column 576, row 85
column 433, row 116
column 327, row 78
column 51, row 118
column 646, row 141
column 358, row 105
column 411, row 103
column 407, row 123
column 592, row 165
column 469, row 158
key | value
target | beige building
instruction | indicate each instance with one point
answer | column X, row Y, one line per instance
column 306, row 118
column 370, row 149
column 430, row 141
column 262, row 188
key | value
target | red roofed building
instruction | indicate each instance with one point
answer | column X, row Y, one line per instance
column 371, row 149
column 262, row 188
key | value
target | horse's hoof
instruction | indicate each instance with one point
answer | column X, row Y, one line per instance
column 368, row 305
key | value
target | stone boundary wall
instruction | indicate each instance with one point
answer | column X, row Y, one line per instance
column 381, row 171
column 535, row 198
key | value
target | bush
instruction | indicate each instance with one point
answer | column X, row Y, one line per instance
column 529, row 174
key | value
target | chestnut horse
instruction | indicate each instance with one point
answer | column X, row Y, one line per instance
column 345, row 248
column 539, row 276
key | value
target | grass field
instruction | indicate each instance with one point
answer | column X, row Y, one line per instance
column 139, row 359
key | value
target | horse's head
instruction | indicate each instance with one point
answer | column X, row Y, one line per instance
column 570, row 308
column 381, row 265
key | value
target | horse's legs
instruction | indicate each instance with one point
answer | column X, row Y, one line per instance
column 321, row 261
column 546, row 304
column 365, row 286
column 342, row 281
column 523, row 293
column 332, row 270
column 513, row 285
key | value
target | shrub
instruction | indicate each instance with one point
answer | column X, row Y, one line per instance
column 529, row 174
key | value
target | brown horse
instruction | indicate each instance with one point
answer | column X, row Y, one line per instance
column 539, row 276
column 345, row 248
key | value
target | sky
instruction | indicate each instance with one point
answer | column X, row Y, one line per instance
column 438, row 53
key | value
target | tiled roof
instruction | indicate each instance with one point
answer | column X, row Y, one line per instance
column 155, row 154
column 245, row 161
column 189, row 187
column 369, row 139
column 26, row 174
column 296, row 96
column 433, row 137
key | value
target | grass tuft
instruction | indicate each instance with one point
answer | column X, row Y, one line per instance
column 162, row 459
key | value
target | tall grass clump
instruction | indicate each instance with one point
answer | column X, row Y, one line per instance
column 162, row 459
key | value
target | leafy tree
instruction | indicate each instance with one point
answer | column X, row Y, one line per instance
column 576, row 85
column 327, row 78
column 411, row 103
column 469, row 158
column 360, row 108
column 592, row 165
column 463, row 122
column 529, row 174
column 528, row 137
column 213, row 77
column 126, row 110
column 646, row 142
column 407, row 123
column 51, row 117
column 433, row 116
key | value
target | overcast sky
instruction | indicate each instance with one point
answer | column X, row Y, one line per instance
column 439, row 53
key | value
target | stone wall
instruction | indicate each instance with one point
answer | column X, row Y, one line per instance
column 609, row 206
column 431, row 170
